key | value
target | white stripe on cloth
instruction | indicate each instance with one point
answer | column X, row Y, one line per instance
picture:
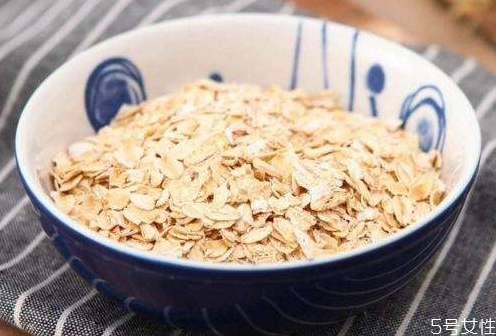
column 486, row 104
column 25, row 295
column 8, row 10
column 7, row 169
column 107, row 20
column 159, row 11
column 117, row 323
column 59, row 327
column 41, row 52
column 27, row 250
column 33, row 30
column 464, row 70
column 23, row 19
column 346, row 326
column 431, row 52
column 13, row 212
column 488, row 265
column 488, row 149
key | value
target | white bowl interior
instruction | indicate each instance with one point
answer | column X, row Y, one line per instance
column 260, row 49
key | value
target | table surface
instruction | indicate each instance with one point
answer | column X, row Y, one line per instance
column 406, row 21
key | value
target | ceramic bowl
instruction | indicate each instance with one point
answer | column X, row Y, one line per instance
column 373, row 76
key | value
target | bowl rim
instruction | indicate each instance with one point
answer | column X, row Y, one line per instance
column 43, row 200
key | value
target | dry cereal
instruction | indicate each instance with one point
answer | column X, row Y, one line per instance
column 236, row 173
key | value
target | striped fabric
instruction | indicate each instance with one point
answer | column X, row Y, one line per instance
column 40, row 294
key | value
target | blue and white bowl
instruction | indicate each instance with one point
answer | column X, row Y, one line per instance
column 373, row 76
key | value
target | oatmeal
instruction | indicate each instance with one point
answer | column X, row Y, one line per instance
column 236, row 173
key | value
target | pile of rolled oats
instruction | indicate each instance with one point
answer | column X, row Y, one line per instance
column 237, row 173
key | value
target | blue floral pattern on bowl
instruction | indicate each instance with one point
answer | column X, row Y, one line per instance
column 423, row 112
column 113, row 83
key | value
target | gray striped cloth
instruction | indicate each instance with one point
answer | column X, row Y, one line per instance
column 41, row 295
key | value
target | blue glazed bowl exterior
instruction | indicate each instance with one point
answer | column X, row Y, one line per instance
column 250, row 302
